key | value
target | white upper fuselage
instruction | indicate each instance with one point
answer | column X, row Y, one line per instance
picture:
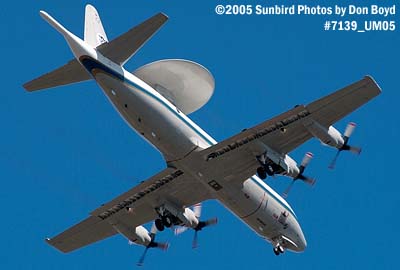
column 176, row 136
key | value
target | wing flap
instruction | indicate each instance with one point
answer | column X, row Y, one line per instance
column 122, row 48
column 72, row 72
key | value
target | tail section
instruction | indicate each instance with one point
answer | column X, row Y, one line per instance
column 94, row 31
column 119, row 50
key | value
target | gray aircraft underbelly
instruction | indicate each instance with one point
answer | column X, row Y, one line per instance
column 161, row 128
column 153, row 122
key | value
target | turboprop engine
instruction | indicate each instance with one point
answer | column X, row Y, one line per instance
column 332, row 137
column 272, row 163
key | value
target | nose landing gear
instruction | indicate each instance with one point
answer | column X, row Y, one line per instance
column 278, row 250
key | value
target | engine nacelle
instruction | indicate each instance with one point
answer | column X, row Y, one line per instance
column 189, row 218
column 290, row 167
column 139, row 235
column 329, row 136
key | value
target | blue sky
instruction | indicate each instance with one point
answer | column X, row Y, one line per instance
column 66, row 151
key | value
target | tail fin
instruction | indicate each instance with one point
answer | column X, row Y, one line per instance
column 94, row 31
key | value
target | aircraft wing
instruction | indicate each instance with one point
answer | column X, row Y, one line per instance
column 285, row 132
column 170, row 185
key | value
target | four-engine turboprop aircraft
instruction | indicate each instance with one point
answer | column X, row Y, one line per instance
column 155, row 101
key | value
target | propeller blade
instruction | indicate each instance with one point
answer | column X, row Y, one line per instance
column 307, row 158
column 141, row 260
column 286, row 192
column 180, row 229
column 210, row 222
column 197, row 210
column 333, row 163
column 349, row 129
column 308, row 180
column 195, row 242
column 162, row 246
column 355, row 150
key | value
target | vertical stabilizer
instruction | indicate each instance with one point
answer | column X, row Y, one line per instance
column 94, row 31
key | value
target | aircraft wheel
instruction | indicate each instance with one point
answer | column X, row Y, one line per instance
column 159, row 225
column 261, row 173
column 276, row 251
column 281, row 249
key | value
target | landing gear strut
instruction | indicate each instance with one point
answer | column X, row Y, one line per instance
column 265, row 169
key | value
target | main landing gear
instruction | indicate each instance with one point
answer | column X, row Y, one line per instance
column 265, row 168
column 165, row 219
column 163, row 222
column 262, row 172
column 278, row 250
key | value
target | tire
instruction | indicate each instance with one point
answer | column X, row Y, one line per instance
column 159, row 225
column 276, row 251
column 261, row 173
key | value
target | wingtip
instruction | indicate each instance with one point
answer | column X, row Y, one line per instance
column 164, row 15
column 373, row 81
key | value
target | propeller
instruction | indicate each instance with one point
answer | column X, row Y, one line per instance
column 199, row 227
column 304, row 163
column 345, row 147
column 152, row 244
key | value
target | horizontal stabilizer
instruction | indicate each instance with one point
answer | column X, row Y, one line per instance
column 122, row 48
column 72, row 72
column 184, row 83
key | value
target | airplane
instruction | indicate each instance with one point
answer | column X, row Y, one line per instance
column 155, row 100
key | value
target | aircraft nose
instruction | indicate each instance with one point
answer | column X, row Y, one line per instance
column 301, row 240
